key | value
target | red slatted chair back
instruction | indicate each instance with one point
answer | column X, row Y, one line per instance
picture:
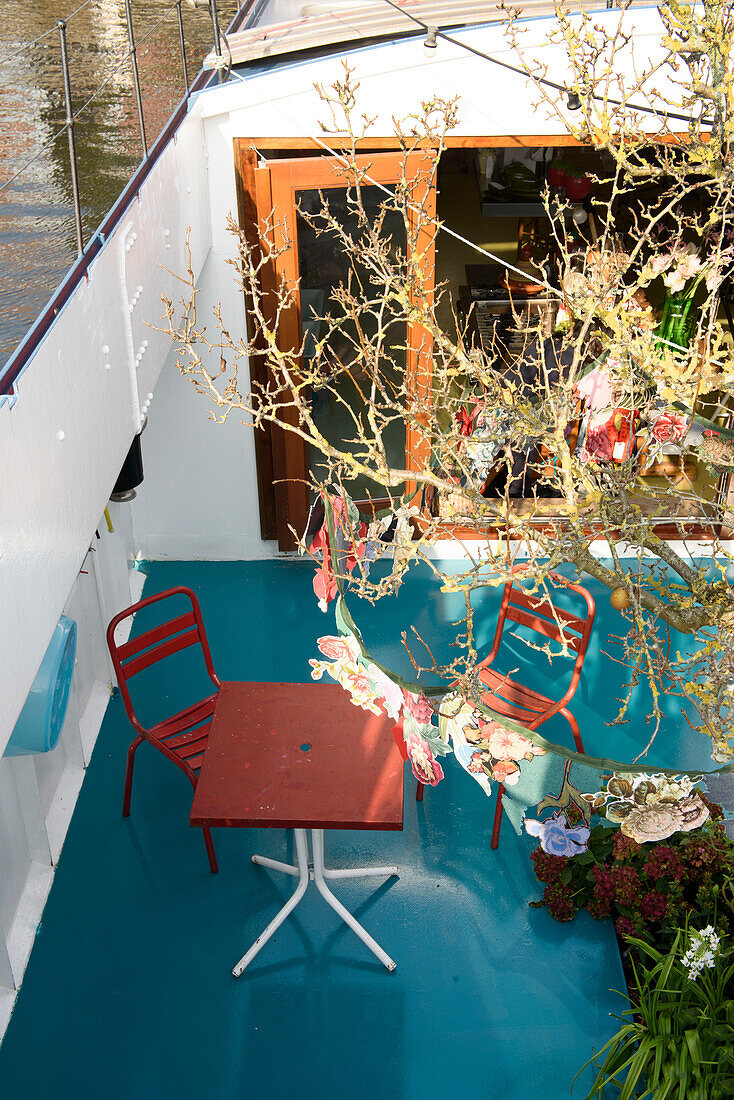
column 537, row 612
column 156, row 644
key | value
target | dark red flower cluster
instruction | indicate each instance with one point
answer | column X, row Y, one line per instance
column 653, row 905
column 604, row 883
column 547, row 868
column 626, row 885
column 600, row 905
column 625, row 847
column 600, row 908
column 663, row 862
column 650, row 890
column 559, row 902
column 627, row 927
column 705, row 853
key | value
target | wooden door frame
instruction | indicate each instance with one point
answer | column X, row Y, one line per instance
column 281, row 456
column 245, row 161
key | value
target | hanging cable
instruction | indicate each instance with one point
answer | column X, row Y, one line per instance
column 27, row 45
column 441, row 228
column 434, row 33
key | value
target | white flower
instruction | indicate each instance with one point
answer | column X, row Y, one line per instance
column 702, row 950
column 675, row 280
column 688, row 266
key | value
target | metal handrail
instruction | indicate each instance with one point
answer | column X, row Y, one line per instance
column 133, row 55
column 39, row 37
column 28, row 345
column 100, row 87
column 70, row 131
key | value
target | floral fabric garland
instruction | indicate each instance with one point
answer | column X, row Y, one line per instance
column 558, row 837
column 372, row 689
column 647, row 807
column 485, row 749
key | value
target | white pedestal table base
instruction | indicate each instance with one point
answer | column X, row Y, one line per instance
column 305, row 872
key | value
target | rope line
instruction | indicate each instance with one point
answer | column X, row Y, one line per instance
column 346, row 625
column 440, row 226
column 391, row 194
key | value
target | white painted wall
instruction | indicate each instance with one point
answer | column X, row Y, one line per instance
column 199, row 497
column 78, row 405
column 395, row 77
column 64, row 434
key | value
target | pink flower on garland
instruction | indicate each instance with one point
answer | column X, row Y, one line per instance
column 419, row 707
column 347, row 671
column 359, row 682
column 334, row 648
column 506, row 771
column 476, row 764
column 426, row 768
column 668, row 427
column 392, row 694
column 506, row 745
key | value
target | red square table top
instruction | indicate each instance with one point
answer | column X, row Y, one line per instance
column 298, row 756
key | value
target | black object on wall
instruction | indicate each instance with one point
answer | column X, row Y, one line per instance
column 131, row 474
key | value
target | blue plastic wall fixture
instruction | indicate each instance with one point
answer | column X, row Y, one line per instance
column 42, row 718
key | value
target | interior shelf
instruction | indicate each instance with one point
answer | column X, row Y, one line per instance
column 513, row 210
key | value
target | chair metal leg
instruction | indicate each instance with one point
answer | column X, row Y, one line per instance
column 497, row 816
column 129, row 775
column 317, row 839
column 419, row 791
column 574, row 729
column 300, row 890
column 213, row 867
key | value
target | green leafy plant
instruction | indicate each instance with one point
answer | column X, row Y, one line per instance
column 677, row 1036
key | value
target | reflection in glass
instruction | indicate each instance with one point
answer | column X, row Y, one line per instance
column 323, row 266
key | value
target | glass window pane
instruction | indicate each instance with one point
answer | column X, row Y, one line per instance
column 323, row 266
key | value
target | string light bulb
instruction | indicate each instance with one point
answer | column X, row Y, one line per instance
column 430, row 44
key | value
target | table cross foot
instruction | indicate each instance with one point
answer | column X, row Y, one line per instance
column 337, row 872
column 305, row 871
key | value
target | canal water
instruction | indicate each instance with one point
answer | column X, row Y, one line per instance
column 37, row 229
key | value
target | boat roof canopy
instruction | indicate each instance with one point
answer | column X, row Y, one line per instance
column 278, row 27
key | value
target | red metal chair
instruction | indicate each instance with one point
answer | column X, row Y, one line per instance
column 506, row 696
column 183, row 736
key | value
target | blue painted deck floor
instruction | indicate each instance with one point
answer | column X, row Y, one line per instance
column 128, row 994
